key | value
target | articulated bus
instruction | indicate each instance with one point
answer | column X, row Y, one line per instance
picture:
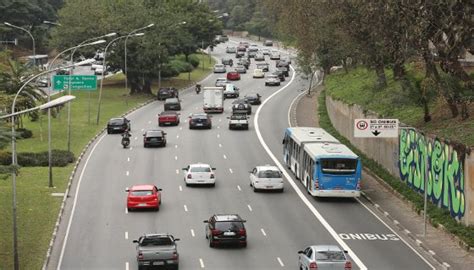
column 326, row 167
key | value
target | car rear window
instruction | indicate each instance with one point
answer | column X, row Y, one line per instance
column 269, row 174
column 229, row 225
column 200, row 169
column 154, row 134
column 142, row 192
column 158, row 241
column 116, row 121
column 328, row 255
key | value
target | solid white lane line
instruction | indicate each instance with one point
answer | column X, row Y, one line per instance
column 220, row 145
column 126, row 235
column 127, row 173
column 76, row 195
column 185, row 208
column 192, row 233
column 201, row 262
column 293, row 184
column 225, row 157
column 238, row 187
column 230, row 170
column 180, row 188
column 281, row 263
column 177, row 171
column 127, row 266
column 250, row 208
column 263, row 232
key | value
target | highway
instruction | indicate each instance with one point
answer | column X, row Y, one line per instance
column 100, row 231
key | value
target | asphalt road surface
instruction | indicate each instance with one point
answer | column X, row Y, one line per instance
column 100, row 231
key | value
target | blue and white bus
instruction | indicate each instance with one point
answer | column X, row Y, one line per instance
column 326, row 167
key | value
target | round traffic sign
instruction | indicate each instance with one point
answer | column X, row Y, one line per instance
column 362, row 125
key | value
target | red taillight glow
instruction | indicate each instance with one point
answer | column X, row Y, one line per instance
column 313, row 265
column 140, row 256
column 242, row 232
column 348, row 266
column 175, row 255
column 215, row 232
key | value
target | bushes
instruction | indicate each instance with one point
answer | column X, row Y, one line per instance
column 24, row 133
column 59, row 158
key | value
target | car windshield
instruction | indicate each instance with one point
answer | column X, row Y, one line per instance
column 269, row 174
column 200, row 169
column 226, row 226
column 116, row 121
column 328, row 255
column 141, row 192
column 157, row 241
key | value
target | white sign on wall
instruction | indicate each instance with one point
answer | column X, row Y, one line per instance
column 376, row 128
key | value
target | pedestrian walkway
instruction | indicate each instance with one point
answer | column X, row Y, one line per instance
column 388, row 204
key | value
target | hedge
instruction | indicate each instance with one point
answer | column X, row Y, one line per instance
column 59, row 158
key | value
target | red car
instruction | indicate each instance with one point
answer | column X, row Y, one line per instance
column 233, row 76
column 168, row 118
column 143, row 197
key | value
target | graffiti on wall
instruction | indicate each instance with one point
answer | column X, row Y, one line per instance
column 445, row 185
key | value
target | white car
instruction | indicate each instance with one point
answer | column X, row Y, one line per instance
column 238, row 121
column 231, row 91
column 272, row 80
column 275, row 55
column 219, row 68
column 258, row 73
column 265, row 51
column 230, row 49
column 199, row 173
column 266, row 177
column 221, row 82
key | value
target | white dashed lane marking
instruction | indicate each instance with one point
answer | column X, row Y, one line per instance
column 185, row 208
column 180, row 128
column 238, row 187
column 192, row 233
column 281, row 263
column 230, row 170
column 220, row 145
column 180, row 188
column 143, row 129
column 175, row 157
column 218, row 135
column 128, row 159
column 177, row 171
column 218, row 127
column 126, row 235
column 225, row 157
column 250, row 208
column 175, row 146
column 127, row 173
column 131, row 148
column 126, row 210
column 136, row 138
column 201, row 262
column 177, row 136
column 127, row 266
column 263, row 232
column 149, row 122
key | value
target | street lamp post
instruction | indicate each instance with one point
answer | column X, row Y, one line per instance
column 125, row 52
column 50, row 182
column 104, row 65
column 16, row 264
column 70, row 83
column 29, row 33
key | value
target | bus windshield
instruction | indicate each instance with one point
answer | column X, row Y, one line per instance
column 338, row 166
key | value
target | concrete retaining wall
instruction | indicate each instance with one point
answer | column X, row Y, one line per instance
column 450, row 166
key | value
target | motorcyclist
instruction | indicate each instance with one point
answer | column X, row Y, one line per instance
column 126, row 138
column 231, row 62
column 198, row 88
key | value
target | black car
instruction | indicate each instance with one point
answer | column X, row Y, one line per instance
column 226, row 229
column 172, row 104
column 167, row 92
column 282, row 63
column 118, row 125
column 280, row 75
column 239, row 54
column 244, row 62
column 200, row 120
column 284, row 70
column 241, row 106
column 154, row 137
column 253, row 99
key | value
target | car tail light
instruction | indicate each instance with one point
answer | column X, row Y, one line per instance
column 348, row 266
column 212, row 176
column 242, row 232
column 215, row 232
column 140, row 256
column 175, row 255
column 313, row 265
column 190, row 176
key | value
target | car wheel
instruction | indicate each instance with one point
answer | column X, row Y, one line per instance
column 255, row 189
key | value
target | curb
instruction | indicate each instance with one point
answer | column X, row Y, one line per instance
column 76, row 165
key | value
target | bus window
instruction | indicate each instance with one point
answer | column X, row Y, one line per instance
column 338, row 166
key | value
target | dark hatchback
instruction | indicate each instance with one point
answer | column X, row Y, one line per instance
column 118, row 125
column 240, row 106
column 172, row 104
column 200, row 120
column 154, row 137
column 279, row 74
column 167, row 92
column 253, row 99
column 226, row 229
column 284, row 70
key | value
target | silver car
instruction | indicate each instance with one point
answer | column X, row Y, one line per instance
column 272, row 79
column 323, row 257
column 219, row 68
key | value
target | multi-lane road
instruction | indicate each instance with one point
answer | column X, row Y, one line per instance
column 97, row 232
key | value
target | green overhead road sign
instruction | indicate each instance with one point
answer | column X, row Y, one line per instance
column 78, row 82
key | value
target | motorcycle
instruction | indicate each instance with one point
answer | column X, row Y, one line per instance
column 198, row 88
column 125, row 142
